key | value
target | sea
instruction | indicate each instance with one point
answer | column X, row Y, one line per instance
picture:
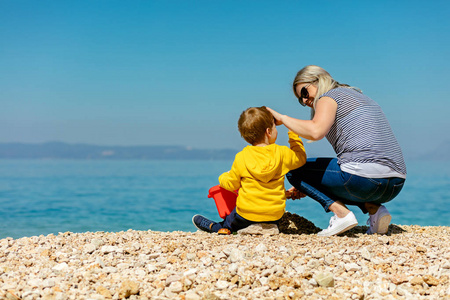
column 41, row 197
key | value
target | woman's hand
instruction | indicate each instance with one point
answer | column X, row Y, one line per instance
column 293, row 194
column 315, row 129
column 277, row 116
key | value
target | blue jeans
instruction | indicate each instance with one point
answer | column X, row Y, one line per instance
column 235, row 222
column 323, row 180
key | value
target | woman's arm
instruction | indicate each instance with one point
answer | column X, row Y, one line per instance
column 314, row 129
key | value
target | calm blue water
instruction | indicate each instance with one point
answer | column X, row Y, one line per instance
column 41, row 197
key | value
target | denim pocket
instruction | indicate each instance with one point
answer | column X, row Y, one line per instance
column 396, row 188
column 362, row 188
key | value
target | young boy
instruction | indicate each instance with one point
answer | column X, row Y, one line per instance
column 258, row 173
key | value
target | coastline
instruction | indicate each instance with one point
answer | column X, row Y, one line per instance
column 411, row 262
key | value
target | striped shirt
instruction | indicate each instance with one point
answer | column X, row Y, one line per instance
column 361, row 133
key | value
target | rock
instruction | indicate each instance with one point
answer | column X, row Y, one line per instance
column 319, row 254
column 313, row 263
column 222, row 284
column 97, row 243
column 191, row 256
column 325, row 279
column 11, row 296
column 110, row 249
column 236, row 255
column 61, row 267
column 128, row 288
column 190, row 272
column 190, row 295
column 261, row 248
column 417, row 280
column 104, row 292
column 365, row 253
column 264, row 281
column 421, row 249
column 89, row 248
column 100, row 262
column 430, row 280
column 399, row 279
column 35, row 282
column 176, row 287
column 156, row 255
column 383, row 240
column 352, row 267
column 233, row 268
column 260, row 228
column 283, row 249
column 172, row 278
column 312, row 281
column 48, row 283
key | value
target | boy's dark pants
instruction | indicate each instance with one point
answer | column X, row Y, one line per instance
column 235, row 222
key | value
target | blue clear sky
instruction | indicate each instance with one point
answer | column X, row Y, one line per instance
column 180, row 72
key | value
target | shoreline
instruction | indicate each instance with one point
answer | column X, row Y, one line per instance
column 411, row 262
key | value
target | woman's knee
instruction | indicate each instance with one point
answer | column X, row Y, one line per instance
column 292, row 178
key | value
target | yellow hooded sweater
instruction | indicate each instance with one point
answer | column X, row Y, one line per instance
column 258, row 173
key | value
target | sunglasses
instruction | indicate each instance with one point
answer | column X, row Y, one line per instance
column 303, row 94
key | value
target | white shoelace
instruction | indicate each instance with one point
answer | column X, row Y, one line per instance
column 333, row 218
column 370, row 221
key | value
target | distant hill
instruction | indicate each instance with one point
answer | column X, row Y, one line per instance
column 59, row 150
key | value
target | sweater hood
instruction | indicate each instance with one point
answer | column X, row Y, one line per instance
column 262, row 162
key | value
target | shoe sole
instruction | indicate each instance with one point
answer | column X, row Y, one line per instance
column 383, row 224
column 339, row 230
column 194, row 223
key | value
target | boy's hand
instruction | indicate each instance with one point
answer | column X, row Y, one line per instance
column 293, row 194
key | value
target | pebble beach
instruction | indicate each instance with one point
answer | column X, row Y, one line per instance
column 410, row 262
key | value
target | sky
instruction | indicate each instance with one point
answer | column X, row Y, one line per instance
column 181, row 72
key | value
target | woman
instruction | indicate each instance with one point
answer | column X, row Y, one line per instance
column 369, row 169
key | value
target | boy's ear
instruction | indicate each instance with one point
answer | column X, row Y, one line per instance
column 269, row 131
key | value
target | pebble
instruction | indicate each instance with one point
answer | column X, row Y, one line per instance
column 352, row 267
column 192, row 296
column 176, row 287
column 89, row 248
column 261, row 248
column 411, row 262
column 222, row 284
column 365, row 253
column 236, row 255
column 260, row 228
column 128, row 288
column 324, row 279
column 430, row 280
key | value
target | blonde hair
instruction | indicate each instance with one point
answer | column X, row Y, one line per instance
column 320, row 78
column 253, row 123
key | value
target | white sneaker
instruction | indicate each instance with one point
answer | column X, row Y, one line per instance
column 379, row 222
column 339, row 225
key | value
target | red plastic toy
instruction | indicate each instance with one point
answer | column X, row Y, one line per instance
column 225, row 200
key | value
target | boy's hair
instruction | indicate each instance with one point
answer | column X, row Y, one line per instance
column 253, row 123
